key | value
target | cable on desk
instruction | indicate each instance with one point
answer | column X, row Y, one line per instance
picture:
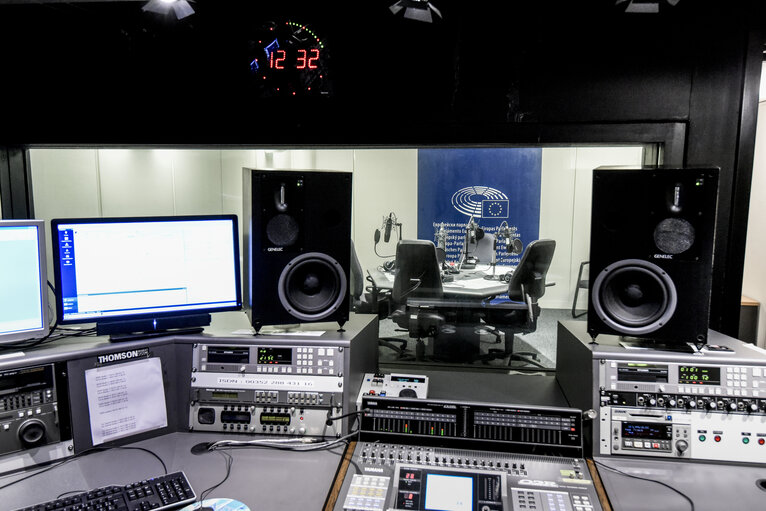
column 229, row 460
column 80, row 455
column 53, row 335
column 330, row 419
column 689, row 500
column 287, row 444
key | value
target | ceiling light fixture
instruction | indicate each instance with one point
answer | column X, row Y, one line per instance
column 419, row 10
column 180, row 8
column 645, row 6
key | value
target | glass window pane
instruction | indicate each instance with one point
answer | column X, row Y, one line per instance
column 514, row 195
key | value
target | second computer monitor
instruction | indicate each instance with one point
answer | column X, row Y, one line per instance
column 23, row 281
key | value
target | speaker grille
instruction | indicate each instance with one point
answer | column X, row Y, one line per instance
column 634, row 297
column 312, row 286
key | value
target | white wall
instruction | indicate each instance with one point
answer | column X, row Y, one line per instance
column 754, row 277
column 385, row 180
column 565, row 205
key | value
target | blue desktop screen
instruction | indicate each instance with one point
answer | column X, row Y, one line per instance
column 113, row 268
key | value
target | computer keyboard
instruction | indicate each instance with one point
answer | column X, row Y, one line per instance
column 164, row 492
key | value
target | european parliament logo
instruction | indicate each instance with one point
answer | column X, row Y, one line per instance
column 495, row 208
column 481, row 202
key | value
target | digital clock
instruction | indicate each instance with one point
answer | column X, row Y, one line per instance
column 289, row 59
column 699, row 375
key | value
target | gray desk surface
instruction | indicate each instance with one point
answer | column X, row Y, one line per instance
column 712, row 486
column 263, row 479
column 466, row 284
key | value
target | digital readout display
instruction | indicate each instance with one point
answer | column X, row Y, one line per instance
column 275, row 355
column 217, row 394
column 699, row 375
column 647, row 430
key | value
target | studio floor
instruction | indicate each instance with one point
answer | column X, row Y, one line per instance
column 534, row 351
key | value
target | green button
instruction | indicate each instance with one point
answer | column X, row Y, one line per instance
column 745, row 440
column 702, row 438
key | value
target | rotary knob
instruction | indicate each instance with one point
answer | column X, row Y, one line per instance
column 712, row 405
column 691, row 404
column 32, row 433
column 752, row 407
column 681, row 446
column 732, row 406
column 672, row 403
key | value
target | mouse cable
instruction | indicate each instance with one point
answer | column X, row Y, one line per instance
column 689, row 500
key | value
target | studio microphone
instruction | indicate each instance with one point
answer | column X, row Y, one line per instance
column 441, row 238
column 389, row 223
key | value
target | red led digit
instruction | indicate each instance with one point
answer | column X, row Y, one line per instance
column 314, row 58
column 279, row 62
column 301, row 60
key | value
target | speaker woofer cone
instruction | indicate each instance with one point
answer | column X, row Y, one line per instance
column 634, row 297
column 312, row 286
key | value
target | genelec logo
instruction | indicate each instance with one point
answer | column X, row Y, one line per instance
column 537, row 482
column 275, row 249
column 123, row 355
column 663, row 256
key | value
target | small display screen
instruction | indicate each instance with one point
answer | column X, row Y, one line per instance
column 26, row 380
column 642, row 372
column 275, row 418
column 407, row 379
column 647, row 430
column 228, row 355
column 449, row 493
column 224, row 395
column 235, row 417
column 275, row 355
column 699, row 375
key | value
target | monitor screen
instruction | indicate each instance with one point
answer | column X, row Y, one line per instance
column 23, row 291
column 112, row 269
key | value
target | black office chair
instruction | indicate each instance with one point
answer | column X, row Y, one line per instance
column 433, row 316
column 417, row 276
column 527, row 286
column 582, row 283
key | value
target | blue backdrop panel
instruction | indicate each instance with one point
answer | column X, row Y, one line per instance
column 493, row 185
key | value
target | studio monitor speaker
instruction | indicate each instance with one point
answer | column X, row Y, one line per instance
column 297, row 243
column 651, row 251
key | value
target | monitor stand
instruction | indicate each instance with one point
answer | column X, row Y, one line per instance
column 132, row 329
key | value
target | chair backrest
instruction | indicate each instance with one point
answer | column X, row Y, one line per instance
column 483, row 249
column 417, row 271
column 532, row 270
column 356, row 275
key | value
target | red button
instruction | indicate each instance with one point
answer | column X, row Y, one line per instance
column 761, row 441
column 655, row 446
column 717, row 438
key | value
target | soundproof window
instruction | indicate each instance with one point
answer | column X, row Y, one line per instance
column 480, row 208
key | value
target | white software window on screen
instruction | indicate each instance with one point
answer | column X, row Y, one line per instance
column 20, row 301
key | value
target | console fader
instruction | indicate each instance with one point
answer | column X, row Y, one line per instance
column 428, row 454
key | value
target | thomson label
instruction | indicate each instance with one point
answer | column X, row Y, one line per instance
column 123, row 355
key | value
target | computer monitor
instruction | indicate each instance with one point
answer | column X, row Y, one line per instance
column 145, row 275
column 23, row 281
